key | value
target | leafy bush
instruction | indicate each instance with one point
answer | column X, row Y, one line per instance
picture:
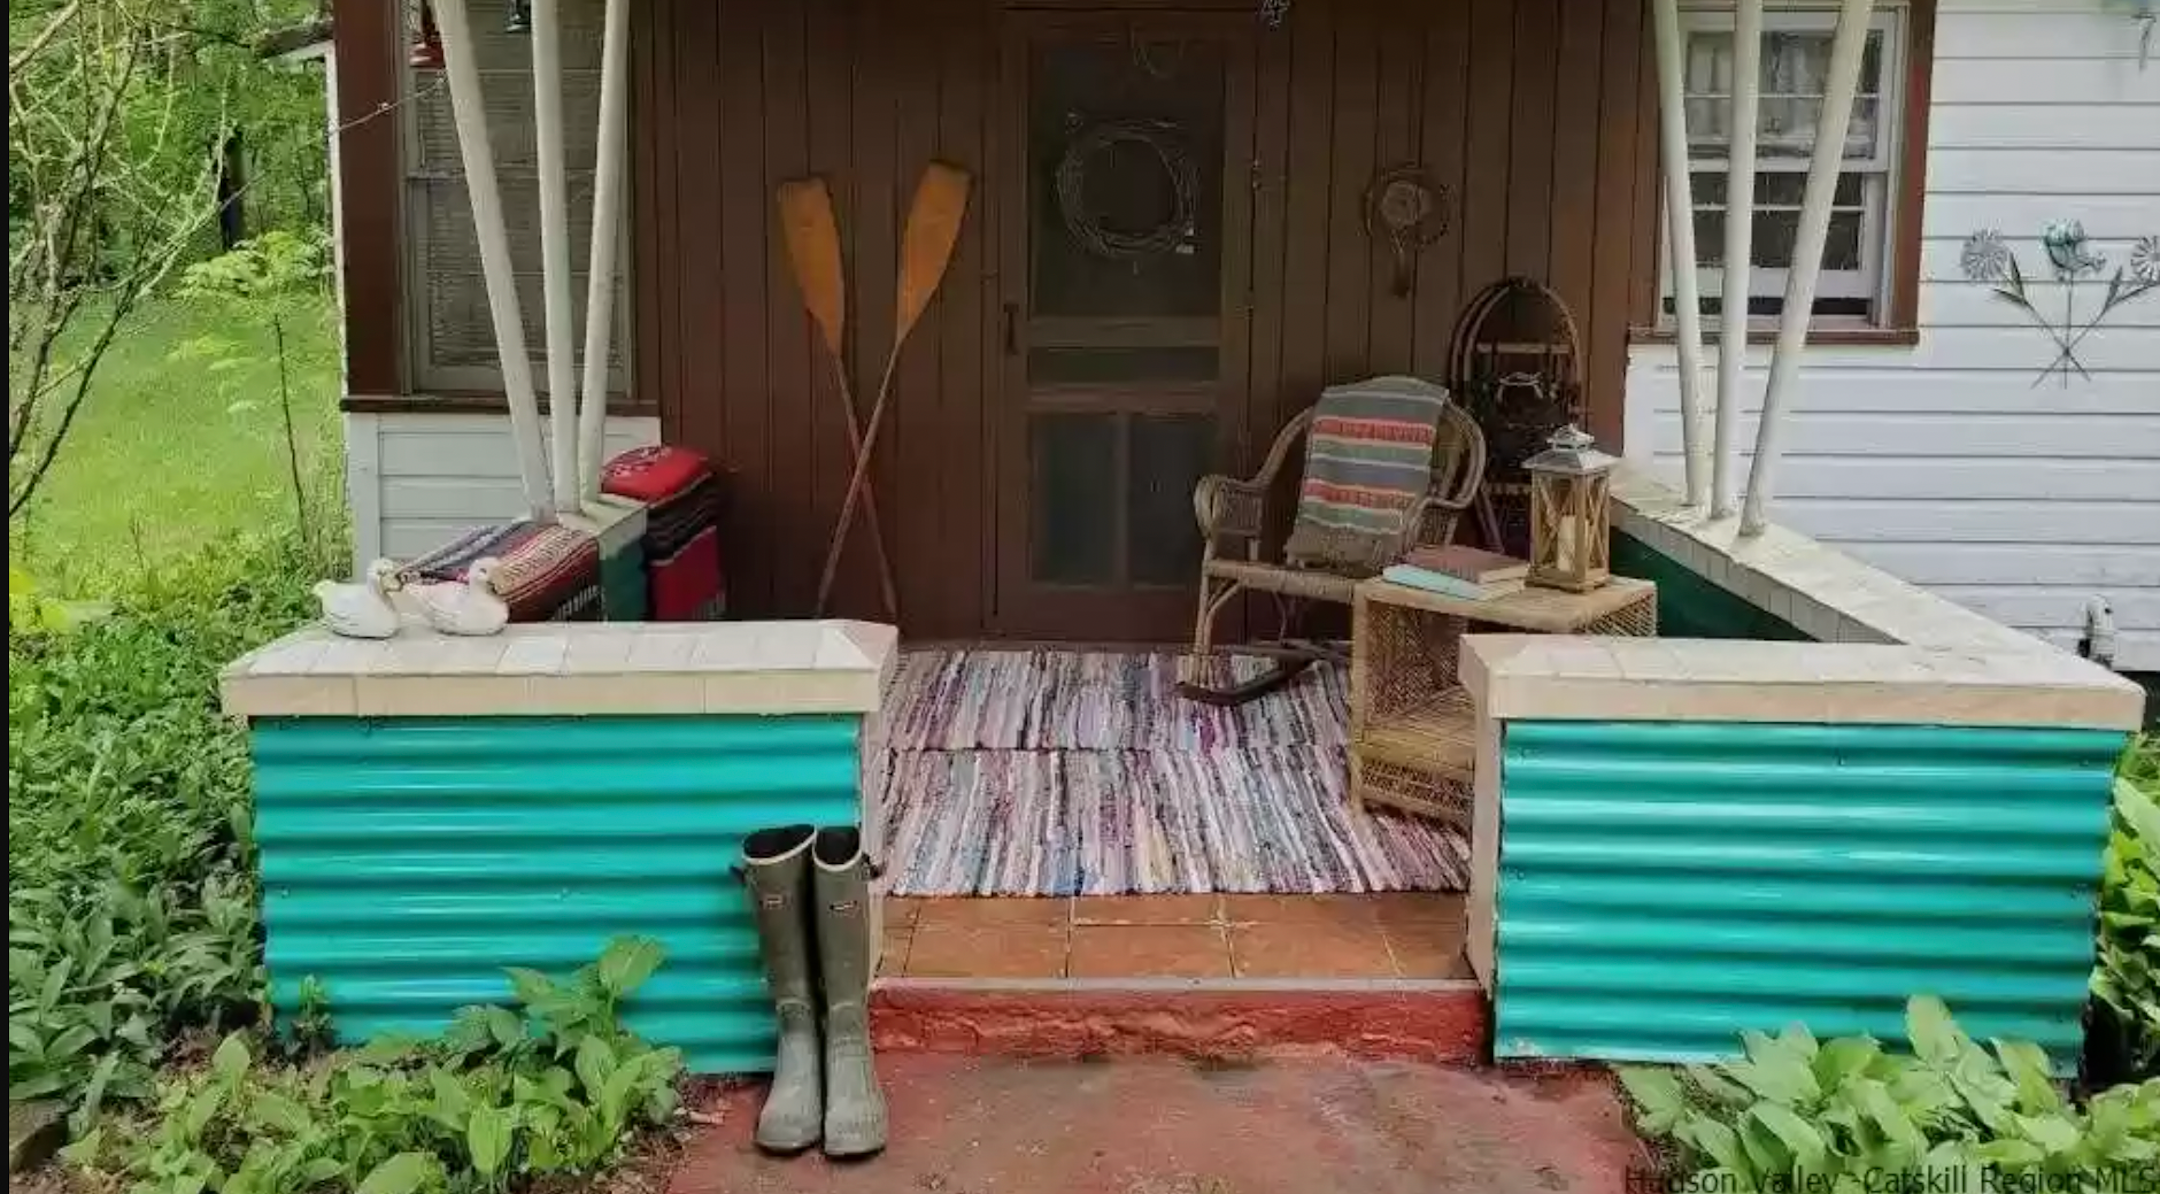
column 131, row 899
column 501, row 1099
column 1795, row 1114
column 2127, row 976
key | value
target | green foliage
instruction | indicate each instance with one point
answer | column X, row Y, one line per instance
column 2127, row 974
column 1797, row 1114
column 135, row 129
column 258, row 280
column 131, row 902
column 503, row 1098
column 180, row 445
column 263, row 272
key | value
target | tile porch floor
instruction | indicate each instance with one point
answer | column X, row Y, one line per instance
column 1396, row 935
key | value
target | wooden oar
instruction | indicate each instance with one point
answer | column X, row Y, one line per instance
column 926, row 248
column 813, row 243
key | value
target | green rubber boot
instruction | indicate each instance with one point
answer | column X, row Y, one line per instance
column 776, row 869
column 854, row 1108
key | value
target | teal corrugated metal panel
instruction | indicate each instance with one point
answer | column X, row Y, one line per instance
column 624, row 595
column 1665, row 886
column 406, row 862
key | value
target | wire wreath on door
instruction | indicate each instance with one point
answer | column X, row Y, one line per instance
column 1090, row 229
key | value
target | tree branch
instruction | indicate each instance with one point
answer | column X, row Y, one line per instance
column 36, row 45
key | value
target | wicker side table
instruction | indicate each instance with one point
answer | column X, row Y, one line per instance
column 1413, row 732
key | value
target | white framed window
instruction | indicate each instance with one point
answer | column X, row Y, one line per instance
column 1855, row 286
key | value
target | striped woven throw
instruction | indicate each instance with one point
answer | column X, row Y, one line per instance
column 544, row 567
column 1368, row 457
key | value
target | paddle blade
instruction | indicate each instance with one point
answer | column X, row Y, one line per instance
column 813, row 245
column 926, row 246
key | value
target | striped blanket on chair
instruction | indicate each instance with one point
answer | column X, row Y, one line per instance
column 1368, row 457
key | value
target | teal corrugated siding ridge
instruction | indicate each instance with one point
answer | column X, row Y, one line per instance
column 406, row 862
column 1665, row 886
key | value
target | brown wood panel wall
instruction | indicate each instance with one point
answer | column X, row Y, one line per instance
column 1535, row 114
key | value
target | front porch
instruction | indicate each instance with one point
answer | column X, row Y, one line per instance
column 1651, row 865
column 1088, row 356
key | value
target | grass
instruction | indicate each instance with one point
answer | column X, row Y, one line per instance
column 181, row 443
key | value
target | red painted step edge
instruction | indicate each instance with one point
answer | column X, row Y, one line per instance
column 1442, row 1024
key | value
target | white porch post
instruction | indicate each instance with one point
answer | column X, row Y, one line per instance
column 1739, row 244
column 479, row 160
column 607, row 213
column 555, row 248
column 1831, row 126
column 1680, row 212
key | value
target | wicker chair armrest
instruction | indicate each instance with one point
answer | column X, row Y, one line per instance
column 1431, row 521
column 1228, row 508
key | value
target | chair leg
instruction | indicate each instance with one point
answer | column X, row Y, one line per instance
column 1203, row 635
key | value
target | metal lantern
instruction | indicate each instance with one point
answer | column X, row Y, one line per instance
column 1570, row 513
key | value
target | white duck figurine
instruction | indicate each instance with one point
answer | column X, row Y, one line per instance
column 470, row 608
column 361, row 610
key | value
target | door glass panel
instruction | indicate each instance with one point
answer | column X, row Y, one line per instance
column 1126, row 148
column 1075, row 498
column 1168, row 456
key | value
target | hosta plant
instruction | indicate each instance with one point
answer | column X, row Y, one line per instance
column 505, row 1097
column 1795, row 1113
column 2126, row 977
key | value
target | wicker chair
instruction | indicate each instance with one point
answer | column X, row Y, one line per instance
column 1232, row 515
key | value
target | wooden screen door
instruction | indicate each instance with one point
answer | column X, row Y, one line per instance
column 1125, row 214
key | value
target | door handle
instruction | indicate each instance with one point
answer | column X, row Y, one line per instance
column 1012, row 330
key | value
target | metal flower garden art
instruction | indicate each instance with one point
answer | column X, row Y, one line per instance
column 2077, row 266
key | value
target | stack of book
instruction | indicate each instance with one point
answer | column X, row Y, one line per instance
column 1470, row 573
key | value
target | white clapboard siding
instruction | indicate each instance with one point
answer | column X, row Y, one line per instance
column 2041, row 126
column 417, row 480
column 2052, row 171
column 1972, row 305
column 1944, row 462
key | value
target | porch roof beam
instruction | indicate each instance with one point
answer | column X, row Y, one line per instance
column 470, row 115
column 1741, row 110
column 1831, row 126
column 1680, row 240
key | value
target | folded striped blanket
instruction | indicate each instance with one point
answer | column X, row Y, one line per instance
column 1368, row 457
column 671, row 523
column 686, row 587
column 545, row 567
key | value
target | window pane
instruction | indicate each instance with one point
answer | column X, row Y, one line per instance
column 1783, row 188
column 1710, row 238
column 1795, row 72
column 1842, row 249
column 1788, row 188
column 1775, row 232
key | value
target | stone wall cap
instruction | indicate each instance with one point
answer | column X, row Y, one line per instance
column 661, row 668
column 1577, row 678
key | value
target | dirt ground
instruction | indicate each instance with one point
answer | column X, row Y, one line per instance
column 967, row 1125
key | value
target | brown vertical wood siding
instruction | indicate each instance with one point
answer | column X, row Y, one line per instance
column 1536, row 115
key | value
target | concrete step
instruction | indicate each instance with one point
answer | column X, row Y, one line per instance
column 1439, row 1021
